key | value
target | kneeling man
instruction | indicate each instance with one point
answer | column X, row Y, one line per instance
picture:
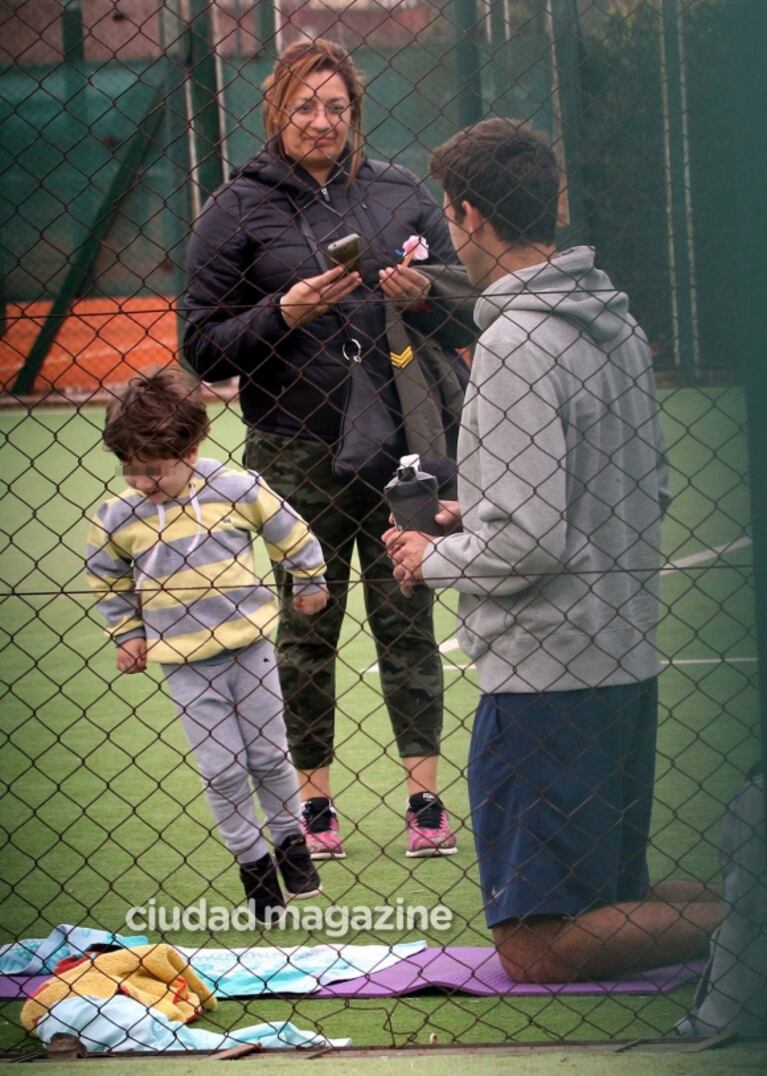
column 555, row 550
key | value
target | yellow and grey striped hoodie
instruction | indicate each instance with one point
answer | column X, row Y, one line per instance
column 182, row 573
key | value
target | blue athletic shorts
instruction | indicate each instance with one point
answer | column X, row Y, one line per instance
column 561, row 787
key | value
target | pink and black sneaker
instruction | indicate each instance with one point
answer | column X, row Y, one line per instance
column 320, row 828
column 428, row 827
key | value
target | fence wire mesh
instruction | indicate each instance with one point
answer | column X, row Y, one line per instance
column 165, row 218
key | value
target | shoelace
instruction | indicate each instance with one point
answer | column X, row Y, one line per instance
column 430, row 815
column 317, row 820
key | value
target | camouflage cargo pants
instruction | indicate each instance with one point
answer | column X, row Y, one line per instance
column 342, row 516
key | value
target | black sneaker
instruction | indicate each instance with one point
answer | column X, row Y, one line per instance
column 298, row 872
column 262, row 891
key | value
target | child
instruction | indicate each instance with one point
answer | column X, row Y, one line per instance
column 172, row 559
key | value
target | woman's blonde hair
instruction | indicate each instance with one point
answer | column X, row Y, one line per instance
column 290, row 72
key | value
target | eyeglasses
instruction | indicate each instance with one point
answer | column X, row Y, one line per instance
column 306, row 109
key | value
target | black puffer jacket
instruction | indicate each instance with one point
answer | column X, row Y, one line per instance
column 250, row 245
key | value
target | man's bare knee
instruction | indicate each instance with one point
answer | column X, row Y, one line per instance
column 529, row 951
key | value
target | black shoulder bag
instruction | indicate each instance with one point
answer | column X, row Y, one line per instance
column 369, row 441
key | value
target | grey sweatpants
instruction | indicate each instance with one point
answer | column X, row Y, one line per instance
column 231, row 710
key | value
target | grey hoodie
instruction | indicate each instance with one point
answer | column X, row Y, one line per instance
column 562, row 484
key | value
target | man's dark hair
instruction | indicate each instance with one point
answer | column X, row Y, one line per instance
column 158, row 416
column 506, row 170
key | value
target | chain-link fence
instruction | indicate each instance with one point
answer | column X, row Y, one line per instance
column 477, row 875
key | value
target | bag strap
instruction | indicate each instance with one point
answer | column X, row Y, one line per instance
column 421, row 413
column 347, row 309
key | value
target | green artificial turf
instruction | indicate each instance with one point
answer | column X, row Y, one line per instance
column 102, row 808
column 667, row 1060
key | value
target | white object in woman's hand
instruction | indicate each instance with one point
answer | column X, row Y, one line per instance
column 310, row 298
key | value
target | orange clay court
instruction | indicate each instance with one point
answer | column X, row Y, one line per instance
column 101, row 342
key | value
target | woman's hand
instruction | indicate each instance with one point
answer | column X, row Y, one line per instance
column 310, row 298
column 406, row 286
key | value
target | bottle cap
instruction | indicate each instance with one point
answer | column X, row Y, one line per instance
column 409, row 465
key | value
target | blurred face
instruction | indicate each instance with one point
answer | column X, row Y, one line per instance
column 160, row 480
column 316, row 122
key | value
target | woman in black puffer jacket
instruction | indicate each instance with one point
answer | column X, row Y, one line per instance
column 263, row 305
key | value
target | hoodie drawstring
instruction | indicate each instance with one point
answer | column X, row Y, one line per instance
column 148, row 572
column 198, row 515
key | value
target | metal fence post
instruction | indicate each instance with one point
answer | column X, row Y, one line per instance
column 566, row 88
column 203, row 80
column 748, row 83
column 266, row 23
column 76, row 109
column 501, row 66
column 467, row 64
column 72, row 44
column 678, row 194
column 178, row 148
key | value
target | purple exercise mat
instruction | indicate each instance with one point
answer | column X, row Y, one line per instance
column 478, row 971
column 20, row 986
column 468, row 970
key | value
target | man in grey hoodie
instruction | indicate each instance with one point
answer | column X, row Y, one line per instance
column 555, row 550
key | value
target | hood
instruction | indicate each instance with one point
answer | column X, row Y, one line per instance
column 569, row 286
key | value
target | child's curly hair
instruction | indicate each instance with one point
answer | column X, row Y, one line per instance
column 158, row 416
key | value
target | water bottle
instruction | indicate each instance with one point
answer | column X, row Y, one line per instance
column 412, row 497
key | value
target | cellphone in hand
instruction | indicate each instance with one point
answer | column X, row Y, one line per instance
column 346, row 252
